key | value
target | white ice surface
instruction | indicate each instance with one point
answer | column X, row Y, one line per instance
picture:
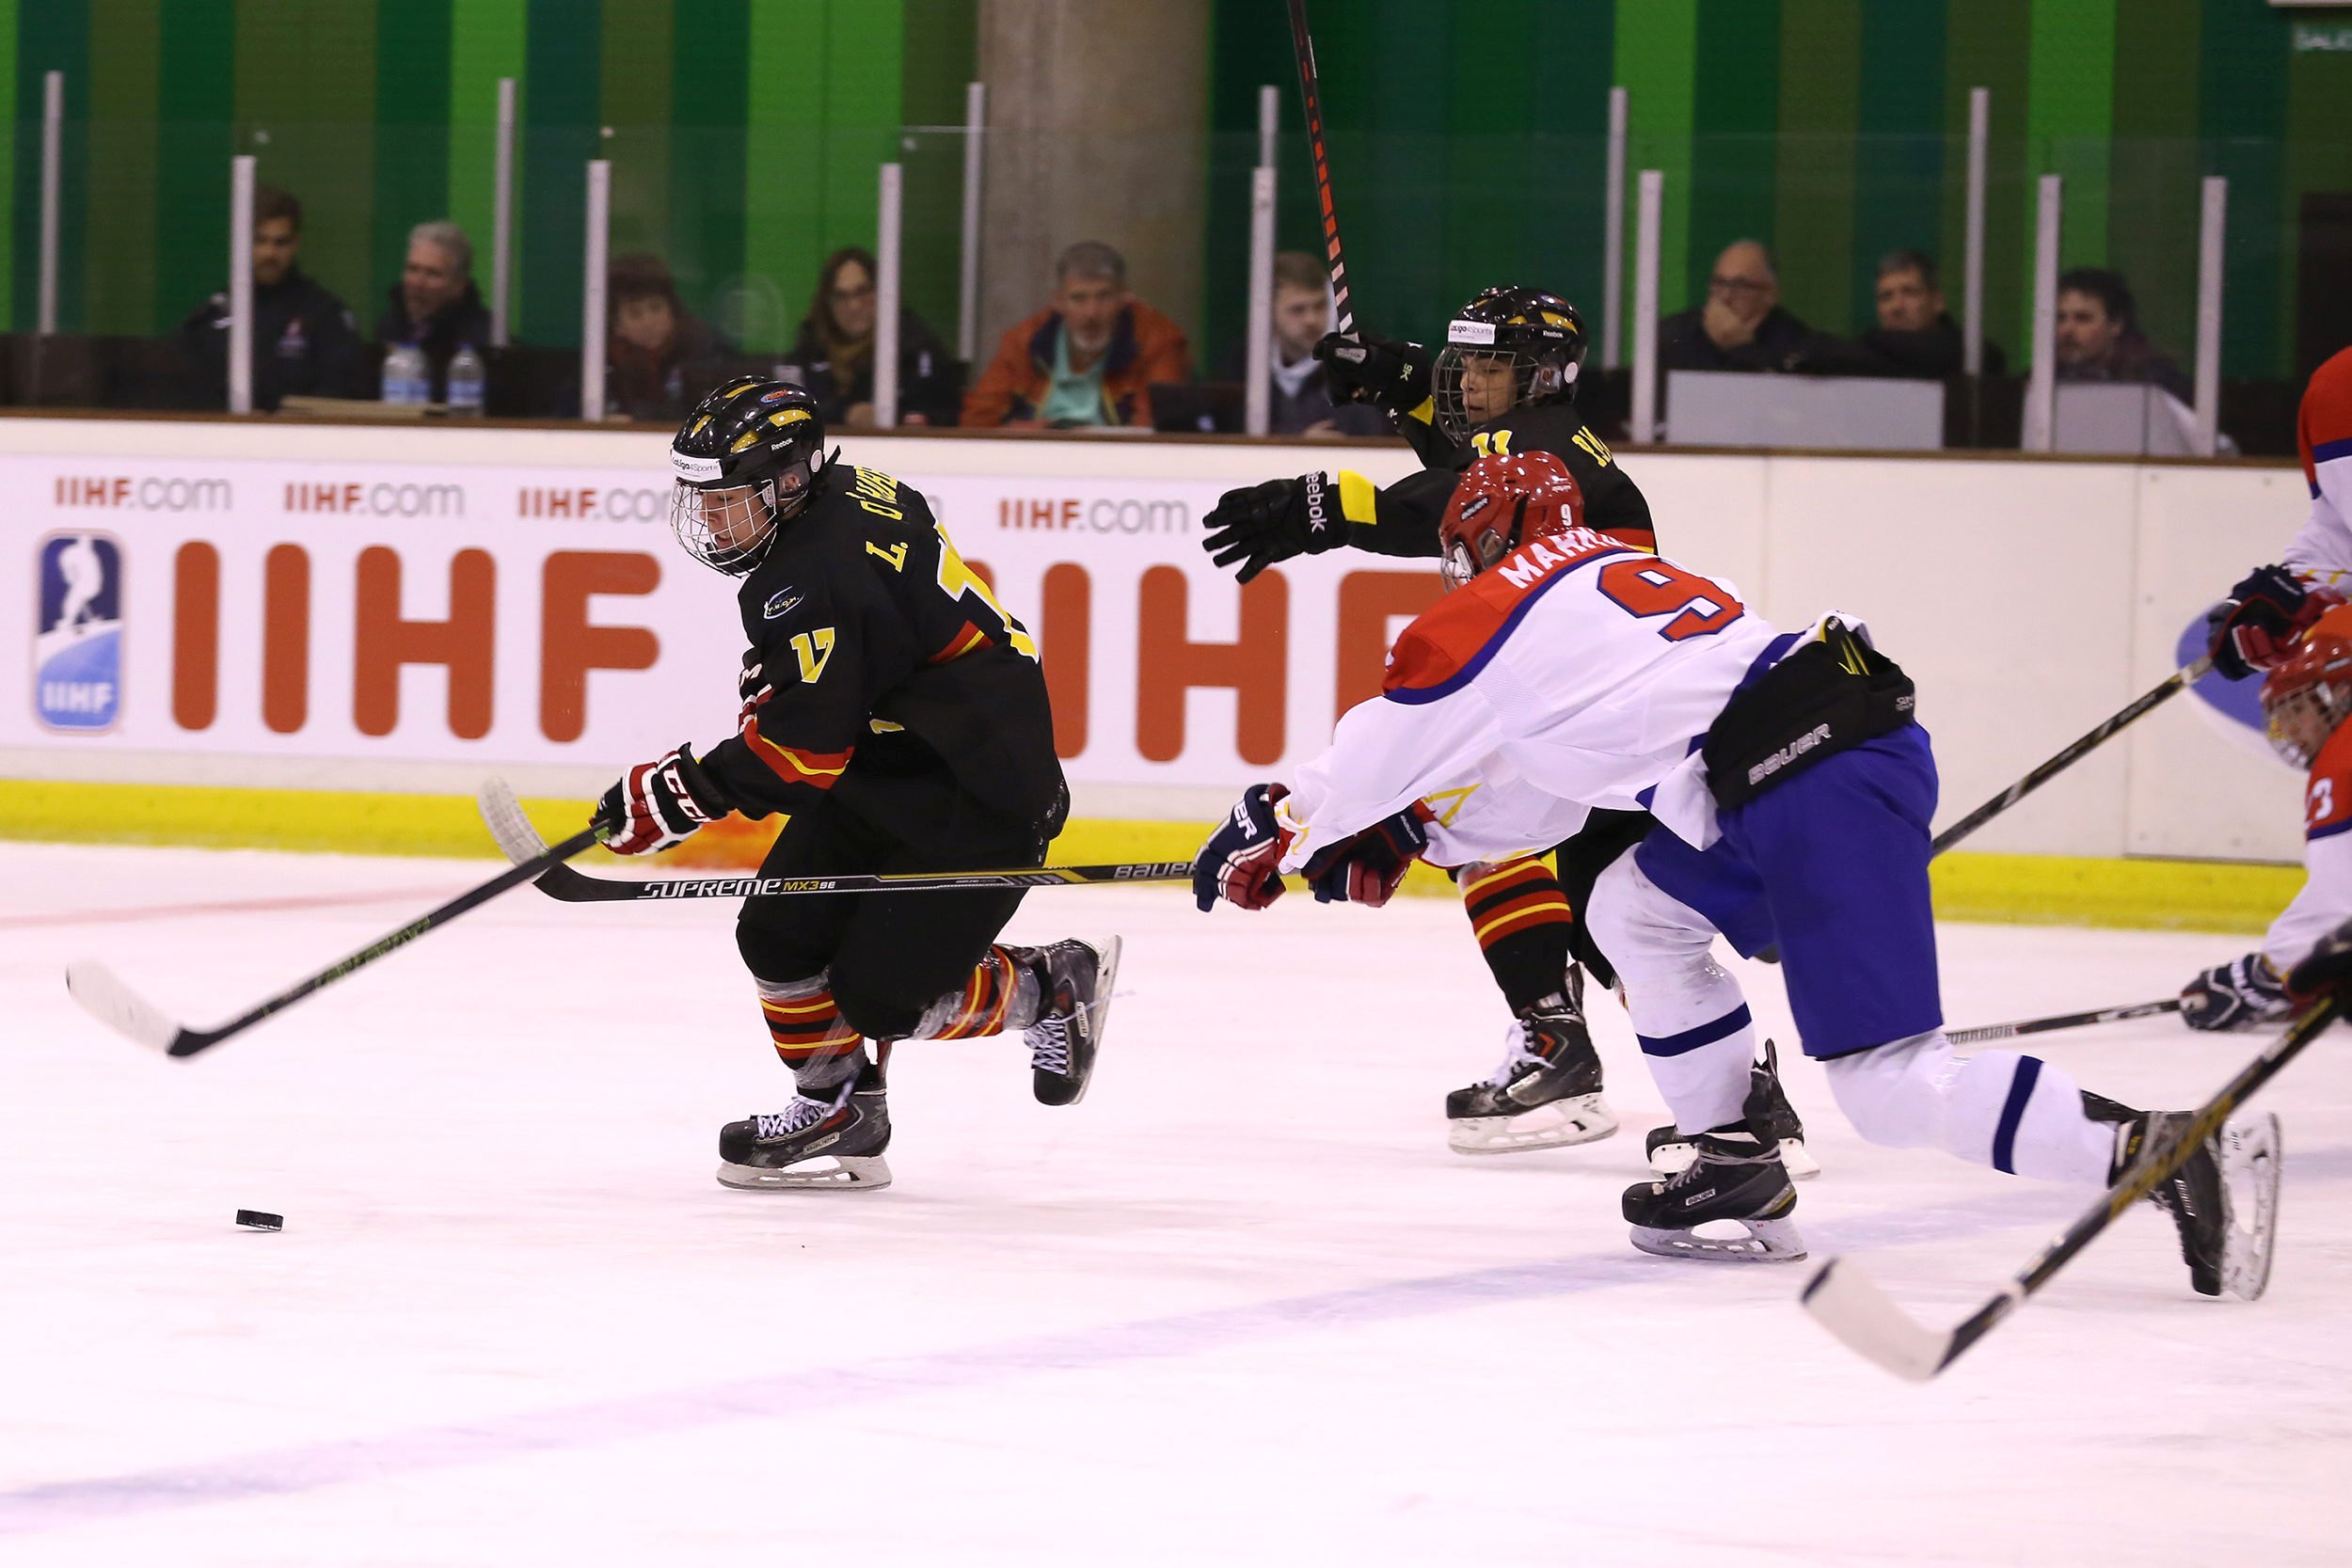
column 1241, row 1307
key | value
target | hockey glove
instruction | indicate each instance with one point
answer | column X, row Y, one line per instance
column 1368, row 368
column 2239, row 994
column 1273, row 521
column 659, row 803
column 2253, row 628
column 2324, row 970
column 1237, row 864
column 1369, row 868
column 752, row 686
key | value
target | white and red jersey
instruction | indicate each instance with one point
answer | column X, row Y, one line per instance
column 2322, row 550
column 1577, row 673
column 2326, row 900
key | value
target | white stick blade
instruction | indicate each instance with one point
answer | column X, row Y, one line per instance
column 109, row 1001
column 503, row 816
column 1849, row 1305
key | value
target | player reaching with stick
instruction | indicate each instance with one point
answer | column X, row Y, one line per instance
column 1505, row 383
column 1793, row 789
column 896, row 712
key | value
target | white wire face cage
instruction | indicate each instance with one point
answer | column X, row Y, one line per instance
column 2299, row 723
column 728, row 529
column 1491, row 370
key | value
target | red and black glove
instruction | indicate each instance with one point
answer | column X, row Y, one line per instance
column 2324, row 970
column 752, row 687
column 2253, row 628
column 1369, row 867
column 659, row 803
column 1237, row 862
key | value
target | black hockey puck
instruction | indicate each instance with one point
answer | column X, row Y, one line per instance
column 254, row 1219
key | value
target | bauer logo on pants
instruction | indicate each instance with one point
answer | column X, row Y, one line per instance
column 77, row 647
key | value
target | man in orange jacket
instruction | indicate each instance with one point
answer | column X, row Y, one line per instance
column 1086, row 358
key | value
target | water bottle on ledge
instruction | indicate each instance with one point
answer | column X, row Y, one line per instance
column 406, row 379
column 465, row 381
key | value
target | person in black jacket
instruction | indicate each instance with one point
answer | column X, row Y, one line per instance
column 1742, row 326
column 657, row 348
column 1915, row 336
column 896, row 712
column 305, row 341
column 435, row 305
column 1299, row 401
column 834, row 355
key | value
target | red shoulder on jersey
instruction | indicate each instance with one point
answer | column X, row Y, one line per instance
column 1459, row 632
column 2323, row 424
column 2327, row 797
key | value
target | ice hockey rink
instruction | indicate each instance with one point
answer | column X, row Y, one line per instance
column 1240, row 1306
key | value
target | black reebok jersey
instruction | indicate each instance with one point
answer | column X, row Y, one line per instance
column 885, row 655
column 1403, row 518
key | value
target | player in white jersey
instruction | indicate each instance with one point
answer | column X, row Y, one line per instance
column 1568, row 672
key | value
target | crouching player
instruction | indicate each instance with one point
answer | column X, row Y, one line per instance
column 1793, row 788
column 2306, row 698
column 895, row 710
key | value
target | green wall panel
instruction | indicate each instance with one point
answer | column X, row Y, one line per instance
column 1903, row 154
column 194, row 139
column 560, row 136
column 1656, row 44
column 1820, row 58
column 121, row 272
column 412, row 149
column 709, row 74
column 488, row 39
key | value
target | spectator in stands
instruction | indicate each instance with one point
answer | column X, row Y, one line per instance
column 1088, row 357
column 305, row 341
column 2099, row 337
column 1299, row 403
column 1742, row 326
column 1915, row 336
column 661, row 357
column 434, row 305
column 834, row 355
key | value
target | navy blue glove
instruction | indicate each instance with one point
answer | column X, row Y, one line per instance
column 1369, row 867
column 1237, row 862
column 2239, row 994
column 2324, row 970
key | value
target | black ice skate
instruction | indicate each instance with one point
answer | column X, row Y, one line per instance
column 1733, row 1174
column 834, row 1142
column 1767, row 1107
column 2224, row 1200
column 1547, row 1092
column 1074, row 981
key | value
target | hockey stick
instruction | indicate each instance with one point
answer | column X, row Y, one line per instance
column 114, row 1003
column 1851, row 1305
column 2188, row 675
column 1303, row 44
column 2063, row 1021
column 522, row 845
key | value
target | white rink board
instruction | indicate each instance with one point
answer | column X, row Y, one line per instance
column 2030, row 599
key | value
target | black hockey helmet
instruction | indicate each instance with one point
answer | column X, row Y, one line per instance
column 1536, row 337
column 746, row 460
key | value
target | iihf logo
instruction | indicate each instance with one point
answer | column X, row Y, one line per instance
column 77, row 651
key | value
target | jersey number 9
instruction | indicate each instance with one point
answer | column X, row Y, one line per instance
column 1648, row 587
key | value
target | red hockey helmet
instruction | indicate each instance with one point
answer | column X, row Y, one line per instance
column 2308, row 692
column 1501, row 503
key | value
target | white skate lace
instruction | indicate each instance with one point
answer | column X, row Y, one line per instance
column 1049, row 1044
column 1516, row 1055
column 801, row 1113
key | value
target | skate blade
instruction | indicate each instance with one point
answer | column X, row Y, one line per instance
column 1766, row 1242
column 1672, row 1159
column 855, row 1173
column 1579, row 1119
column 2250, row 1166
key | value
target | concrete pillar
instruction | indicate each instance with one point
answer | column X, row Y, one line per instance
column 1097, row 130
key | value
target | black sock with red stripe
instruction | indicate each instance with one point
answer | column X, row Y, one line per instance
column 1522, row 920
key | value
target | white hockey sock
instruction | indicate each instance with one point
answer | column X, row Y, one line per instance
column 1687, row 1010
column 1998, row 1108
column 1705, row 1084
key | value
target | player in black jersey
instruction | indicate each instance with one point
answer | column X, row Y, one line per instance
column 896, row 712
column 1503, row 384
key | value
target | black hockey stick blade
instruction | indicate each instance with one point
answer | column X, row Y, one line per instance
column 1851, row 1306
column 2188, row 675
column 1990, row 1032
column 517, row 837
column 106, row 998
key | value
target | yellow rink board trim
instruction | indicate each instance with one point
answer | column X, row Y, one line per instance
column 2053, row 889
